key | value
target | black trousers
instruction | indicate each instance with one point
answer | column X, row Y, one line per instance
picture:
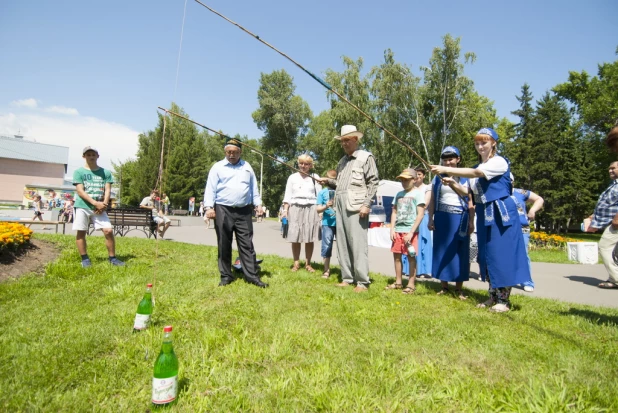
column 230, row 220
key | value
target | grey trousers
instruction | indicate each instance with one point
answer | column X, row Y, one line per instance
column 352, row 247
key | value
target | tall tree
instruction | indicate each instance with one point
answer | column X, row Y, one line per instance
column 445, row 91
column 521, row 148
column 284, row 118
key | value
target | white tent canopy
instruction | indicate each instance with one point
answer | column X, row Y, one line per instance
column 388, row 189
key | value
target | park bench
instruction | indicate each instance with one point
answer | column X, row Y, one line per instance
column 126, row 220
column 37, row 222
column 180, row 212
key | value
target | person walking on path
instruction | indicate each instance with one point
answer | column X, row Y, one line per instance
column 522, row 196
column 605, row 220
column 425, row 236
column 94, row 187
column 451, row 216
column 38, row 206
column 166, row 204
column 356, row 183
column 230, row 194
column 502, row 253
column 325, row 204
column 299, row 207
column 407, row 215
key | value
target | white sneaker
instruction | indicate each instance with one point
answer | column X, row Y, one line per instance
column 528, row 288
column 499, row 308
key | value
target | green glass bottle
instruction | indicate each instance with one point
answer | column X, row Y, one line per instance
column 144, row 310
column 165, row 378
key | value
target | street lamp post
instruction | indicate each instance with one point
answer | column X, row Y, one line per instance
column 261, row 174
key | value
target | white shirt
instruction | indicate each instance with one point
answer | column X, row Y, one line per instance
column 448, row 196
column 495, row 166
column 301, row 191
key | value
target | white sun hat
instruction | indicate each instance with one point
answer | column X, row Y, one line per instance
column 349, row 131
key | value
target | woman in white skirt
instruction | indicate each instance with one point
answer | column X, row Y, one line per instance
column 299, row 206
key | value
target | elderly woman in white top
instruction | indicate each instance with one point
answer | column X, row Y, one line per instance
column 299, row 206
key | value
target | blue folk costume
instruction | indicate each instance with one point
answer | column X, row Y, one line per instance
column 424, row 259
column 502, row 254
column 451, row 248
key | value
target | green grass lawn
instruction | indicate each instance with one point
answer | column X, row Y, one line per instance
column 301, row 345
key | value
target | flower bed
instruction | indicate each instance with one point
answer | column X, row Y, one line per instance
column 13, row 235
column 543, row 240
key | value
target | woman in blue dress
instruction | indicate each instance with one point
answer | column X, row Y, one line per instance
column 502, row 254
column 450, row 220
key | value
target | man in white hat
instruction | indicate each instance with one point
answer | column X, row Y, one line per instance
column 356, row 183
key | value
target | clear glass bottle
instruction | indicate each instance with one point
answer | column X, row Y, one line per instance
column 165, row 377
column 411, row 250
column 144, row 310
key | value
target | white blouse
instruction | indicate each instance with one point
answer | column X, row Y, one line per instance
column 495, row 166
column 301, row 190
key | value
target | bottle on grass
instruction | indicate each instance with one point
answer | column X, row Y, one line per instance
column 165, row 378
column 144, row 310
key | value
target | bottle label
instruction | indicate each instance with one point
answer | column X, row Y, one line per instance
column 164, row 390
column 141, row 321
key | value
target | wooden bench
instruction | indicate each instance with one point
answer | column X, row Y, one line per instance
column 180, row 212
column 174, row 222
column 37, row 222
column 126, row 220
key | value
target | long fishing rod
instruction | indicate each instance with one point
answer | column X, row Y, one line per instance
column 323, row 83
column 229, row 137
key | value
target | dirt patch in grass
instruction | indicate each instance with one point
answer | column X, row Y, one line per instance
column 30, row 258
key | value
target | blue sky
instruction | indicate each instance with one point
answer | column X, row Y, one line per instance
column 79, row 73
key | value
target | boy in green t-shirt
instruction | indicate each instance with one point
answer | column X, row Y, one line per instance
column 94, row 186
column 408, row 212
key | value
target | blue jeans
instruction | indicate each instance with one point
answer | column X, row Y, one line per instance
column 328, row 234
column 527, row 244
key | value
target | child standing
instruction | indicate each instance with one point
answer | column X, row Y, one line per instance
column 329, row 223
column 93, row 185
column 408, row 212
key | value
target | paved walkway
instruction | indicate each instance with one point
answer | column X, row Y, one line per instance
column 568, row 282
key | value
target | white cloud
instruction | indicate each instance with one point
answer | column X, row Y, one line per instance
column 25, row 103
column 113, row 141
column 62, row 110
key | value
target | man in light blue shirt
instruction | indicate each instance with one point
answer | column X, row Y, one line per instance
column 231, row 192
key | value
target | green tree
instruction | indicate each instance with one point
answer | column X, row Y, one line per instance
column 521, row 145
column 284, row 118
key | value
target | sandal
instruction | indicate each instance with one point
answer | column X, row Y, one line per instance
column 295, row 267
column 485, row 304
column 409, row 290
column 326, row 274
column 309, row 268
column 460, row 295
column 608, row 285
column 394, row 286
column 443, row 291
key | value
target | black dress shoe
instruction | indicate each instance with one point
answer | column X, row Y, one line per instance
column 257, row 282
column 223, row 283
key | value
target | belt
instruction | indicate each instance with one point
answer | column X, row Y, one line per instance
column 451, row 209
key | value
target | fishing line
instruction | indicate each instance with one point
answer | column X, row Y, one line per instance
column 323, row 83
column 229, row 137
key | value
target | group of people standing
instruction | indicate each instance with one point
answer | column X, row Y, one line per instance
column 459, row 201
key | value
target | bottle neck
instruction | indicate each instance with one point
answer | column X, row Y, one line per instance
column 167, row 343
